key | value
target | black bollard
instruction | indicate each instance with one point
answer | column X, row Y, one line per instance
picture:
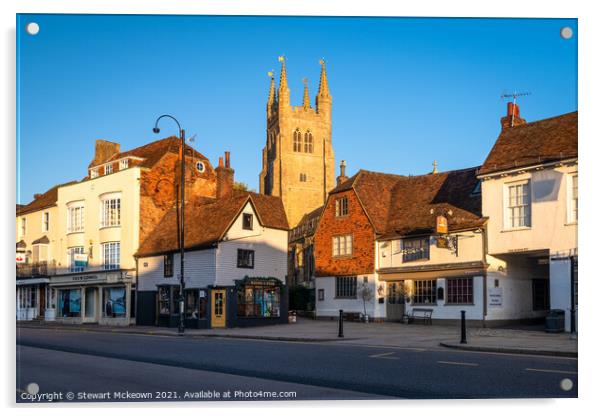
column 463, row 328
column 341, row 323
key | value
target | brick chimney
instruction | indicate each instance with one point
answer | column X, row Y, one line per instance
column 225, row 177
column 104, row 150
column 342, row 178
column 512, row 117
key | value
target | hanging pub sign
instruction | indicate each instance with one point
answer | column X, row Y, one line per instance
column 441, row 224
column 20, row 258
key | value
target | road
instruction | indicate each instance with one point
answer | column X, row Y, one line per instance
column 88, row 362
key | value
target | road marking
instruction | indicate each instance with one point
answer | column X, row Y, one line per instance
column 384, row 355
column 458, row 363
column 543, row 370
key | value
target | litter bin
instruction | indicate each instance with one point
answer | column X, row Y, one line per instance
column 292, row 317
column 555, row 321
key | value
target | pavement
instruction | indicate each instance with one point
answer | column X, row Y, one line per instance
column 520, row 340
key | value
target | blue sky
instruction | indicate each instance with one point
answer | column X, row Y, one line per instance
column 406, row 91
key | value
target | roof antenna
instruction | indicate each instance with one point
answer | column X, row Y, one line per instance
column 514, row 96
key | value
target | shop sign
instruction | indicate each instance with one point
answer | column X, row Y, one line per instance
column 80, row 260
column 441, row 224
column 20, row 258
column 84, row 278
column 495, row 297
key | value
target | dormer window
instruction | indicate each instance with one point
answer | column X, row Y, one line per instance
column 108, row 169
column 94, row 173
column 124, row 164
column 200, row 166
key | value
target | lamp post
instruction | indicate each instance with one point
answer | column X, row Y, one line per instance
column 180, row 228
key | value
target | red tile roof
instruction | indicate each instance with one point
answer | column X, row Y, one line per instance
column 549, row 140
column 46, row 200
column 208, row 219
column 401, row 205
column 154, row 151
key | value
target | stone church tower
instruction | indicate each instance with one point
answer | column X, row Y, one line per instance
column 298, row 159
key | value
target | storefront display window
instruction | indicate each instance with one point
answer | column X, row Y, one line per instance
column 259, row 298
column 196, row 305
column 70, row 303
column 114, row 305
column 164, row 295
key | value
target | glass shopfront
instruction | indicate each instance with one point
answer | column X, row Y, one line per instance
column 70, row 303
column 259, row 298
column 114, row 302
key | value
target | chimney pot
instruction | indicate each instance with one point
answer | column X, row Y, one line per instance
column 227, row 156
column 221, row 162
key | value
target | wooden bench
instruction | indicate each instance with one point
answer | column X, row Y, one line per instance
column 421, row 314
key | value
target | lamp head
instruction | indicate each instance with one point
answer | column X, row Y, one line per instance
column 156, row 130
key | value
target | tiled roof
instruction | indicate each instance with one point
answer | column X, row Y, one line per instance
column 208, row 219
column 154, row 151
column 374, row 191
column 417, row 200
column 542, row 141
column 307, row 226
column 401, row 205
column 46, row 200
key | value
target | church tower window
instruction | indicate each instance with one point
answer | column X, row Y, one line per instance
column 309, row 142
column 297, row 141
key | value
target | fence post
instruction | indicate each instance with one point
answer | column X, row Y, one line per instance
column 341, row 323
column 463, row 328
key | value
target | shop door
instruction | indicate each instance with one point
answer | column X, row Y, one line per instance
column 218, row 308
column 395, row 301
column 90, row 313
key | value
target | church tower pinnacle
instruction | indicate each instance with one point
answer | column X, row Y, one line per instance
column 323, row 98
column 283, row 91
column 271, row 94
column 306, row 104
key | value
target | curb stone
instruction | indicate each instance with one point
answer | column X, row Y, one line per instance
column 175, row 334
column 525, row 351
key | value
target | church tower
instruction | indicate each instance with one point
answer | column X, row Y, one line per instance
column 298, row 159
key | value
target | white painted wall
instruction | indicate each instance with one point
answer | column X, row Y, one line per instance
column 270, row 246
column 470, row 248
column 125, row 182
column 199, row 270
column 218, row 266
column 330, row 305
column 551, row 225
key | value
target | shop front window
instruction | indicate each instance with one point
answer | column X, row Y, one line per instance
column 196, row 304
column 164, row 295
column 114, row 302
column 70, row 303
column 259, row 299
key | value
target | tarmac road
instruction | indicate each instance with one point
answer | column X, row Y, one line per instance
column 71, row 361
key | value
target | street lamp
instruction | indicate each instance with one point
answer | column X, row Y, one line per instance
column 180, row 228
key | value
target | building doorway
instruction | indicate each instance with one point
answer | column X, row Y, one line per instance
column 395, row 300
column 218, row 308
column 90, row 304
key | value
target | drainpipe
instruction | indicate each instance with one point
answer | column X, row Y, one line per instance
column 485, row 250
column 136, row 297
